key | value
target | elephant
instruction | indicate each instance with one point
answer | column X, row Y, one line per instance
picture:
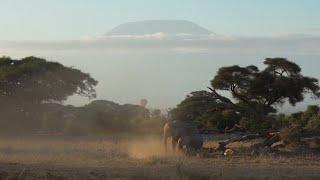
column 190, row 143
column 183, row 134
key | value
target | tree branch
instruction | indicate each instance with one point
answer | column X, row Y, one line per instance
column 220, row 97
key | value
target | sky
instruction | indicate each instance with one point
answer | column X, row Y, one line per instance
column 73, row 19
column 160, row 67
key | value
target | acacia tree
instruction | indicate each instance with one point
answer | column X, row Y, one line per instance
column 262, row 90
column 255, row 92
column 36, row 80
column 205, row 109
column 28, row 83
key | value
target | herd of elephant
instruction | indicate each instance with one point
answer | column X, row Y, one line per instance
column 184, row 135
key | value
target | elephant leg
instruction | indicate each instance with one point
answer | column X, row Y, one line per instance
column 165, row 139
column 174, row 143
column 180, row 144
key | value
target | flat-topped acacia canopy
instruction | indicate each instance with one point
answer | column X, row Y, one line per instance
column 36, row 80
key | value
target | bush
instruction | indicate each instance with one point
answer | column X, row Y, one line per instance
column 291, row 135
column 253, row 124
column 314, row 123
column 75, row 129
column 229, row 118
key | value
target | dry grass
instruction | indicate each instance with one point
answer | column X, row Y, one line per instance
column 128, row 157
column 92, row 151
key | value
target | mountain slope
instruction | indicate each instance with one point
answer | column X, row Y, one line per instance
column 155, row 26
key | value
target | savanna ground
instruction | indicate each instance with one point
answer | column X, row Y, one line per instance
column 140, row 157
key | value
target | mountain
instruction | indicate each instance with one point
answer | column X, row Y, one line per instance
column 171, row 27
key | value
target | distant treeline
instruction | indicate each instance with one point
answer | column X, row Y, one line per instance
column 97, row 117
column 29, row 88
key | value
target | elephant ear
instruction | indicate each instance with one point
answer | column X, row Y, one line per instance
column 184, row 128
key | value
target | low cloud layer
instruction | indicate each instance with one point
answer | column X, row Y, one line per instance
column 179, row 43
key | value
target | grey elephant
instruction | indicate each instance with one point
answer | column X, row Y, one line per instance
column 190, row 144
column 184, row 134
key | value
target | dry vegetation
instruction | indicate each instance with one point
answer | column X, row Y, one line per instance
column 127, row 157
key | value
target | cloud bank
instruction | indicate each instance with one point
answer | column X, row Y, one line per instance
column 179, row 43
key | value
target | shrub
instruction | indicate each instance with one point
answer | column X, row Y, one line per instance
column 74, row 128
column 314, row 123
column 291, row 135
column 253, row 124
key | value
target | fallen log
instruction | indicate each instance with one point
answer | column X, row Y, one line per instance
column 271, row 138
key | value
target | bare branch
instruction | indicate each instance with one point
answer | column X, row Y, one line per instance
column 220, row 97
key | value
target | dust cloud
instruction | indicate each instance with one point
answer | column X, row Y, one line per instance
column 147, row 147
